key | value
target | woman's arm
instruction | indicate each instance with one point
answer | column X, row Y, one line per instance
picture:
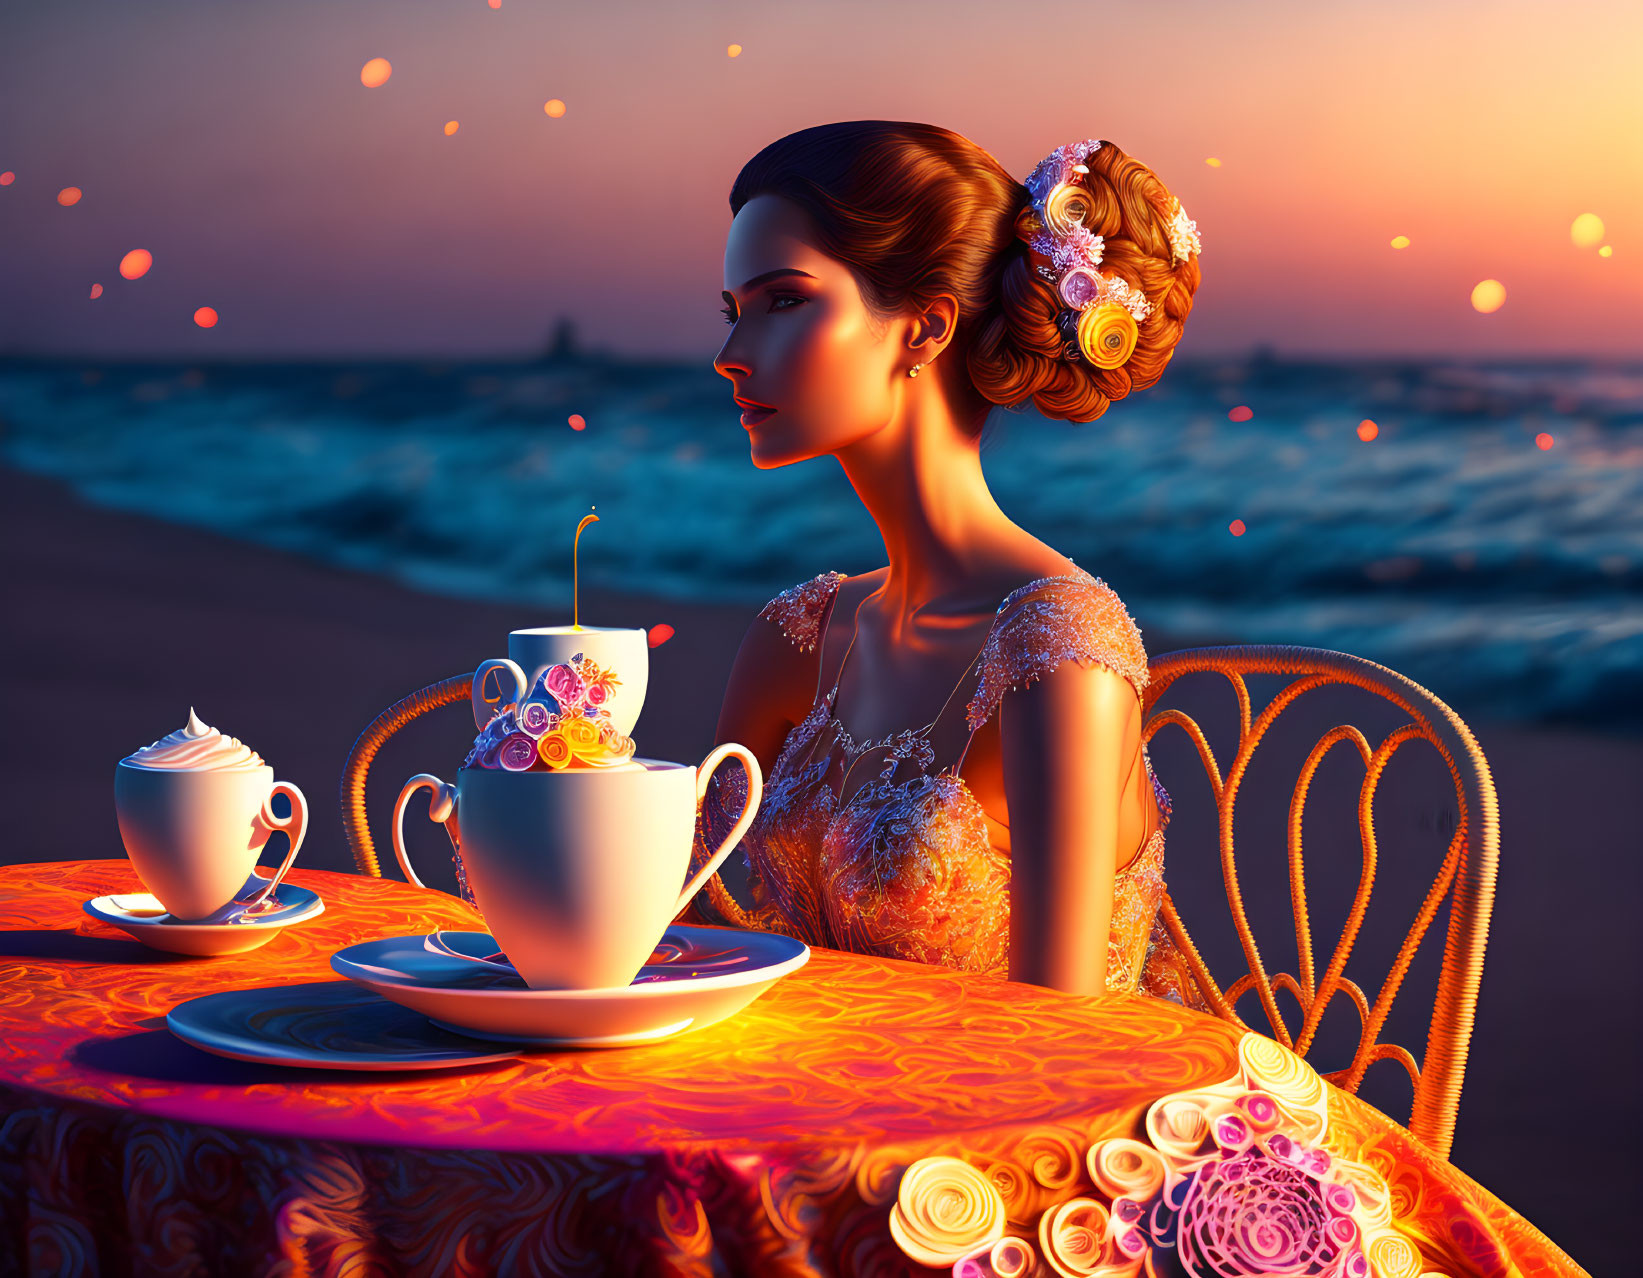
column 769, row 690
column 768, row 681
column 1066, row 739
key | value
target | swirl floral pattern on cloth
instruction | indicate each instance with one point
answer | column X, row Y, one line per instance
column 907, row 869
column 1233, row 1181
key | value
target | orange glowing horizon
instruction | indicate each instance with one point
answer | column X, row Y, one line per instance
column 1436, row 143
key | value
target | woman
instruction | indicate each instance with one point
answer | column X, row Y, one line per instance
column 948, row 778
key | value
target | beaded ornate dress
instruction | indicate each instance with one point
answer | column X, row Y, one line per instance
column 857, row 846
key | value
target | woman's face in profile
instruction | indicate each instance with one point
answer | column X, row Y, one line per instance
column 802, row 341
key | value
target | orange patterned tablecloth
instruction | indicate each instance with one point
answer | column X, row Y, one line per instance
column 769, row 1144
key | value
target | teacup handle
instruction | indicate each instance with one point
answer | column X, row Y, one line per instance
column 441, row 805
column 755, row 791
column 507, row 672
column 295, row 827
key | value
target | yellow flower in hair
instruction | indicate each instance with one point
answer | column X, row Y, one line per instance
column 1107, row 334
column 1066, row 207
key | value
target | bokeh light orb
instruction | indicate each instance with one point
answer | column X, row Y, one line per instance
column 68, row 195
column 1606, row 251
column 577, row 421
column 1240, row 414
column 554, row 107
column 496, row 4
column 7, row 178
column 205, row 317
column 1543, row 441
column 1488, row 296
column 451, row 126
column 1213, row 162
column 1400, row 241
column 1367, row 430
column 1236, row 528
column 96, row 291
column 1586, row 230
column 134, row 265
column 660, row 634
column 374, row 74
column 734, row 51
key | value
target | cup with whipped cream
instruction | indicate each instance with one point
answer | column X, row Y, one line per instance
column 195, row 810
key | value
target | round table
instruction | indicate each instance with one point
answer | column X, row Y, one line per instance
column 771, row 1143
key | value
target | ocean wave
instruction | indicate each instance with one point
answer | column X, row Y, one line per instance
column 1501, row 574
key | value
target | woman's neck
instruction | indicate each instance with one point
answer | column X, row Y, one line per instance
column 922, row 483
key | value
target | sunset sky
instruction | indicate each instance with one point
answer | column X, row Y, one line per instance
column 318, row 217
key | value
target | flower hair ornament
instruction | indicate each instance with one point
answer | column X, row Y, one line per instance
column 1101, row 314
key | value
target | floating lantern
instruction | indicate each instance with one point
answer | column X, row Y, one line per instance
column 1367, row 430
column 554, row 107
column 577, row 421
column 96, row 291
column 1213, row 162
column 1236, row 528
column 734, row 51
column 68, row 195
column 1586, row 230
column 374, row 74
column 451, row 126
column 134, row 265
column 7, row 178
column 1606, row 251
column 1488, row 296
column 1400, row 241
column 1543, row 441
column 205, row 317
column 1241, row 414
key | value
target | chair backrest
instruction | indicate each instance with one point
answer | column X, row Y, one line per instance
column 1467, row 871
column 354, row 773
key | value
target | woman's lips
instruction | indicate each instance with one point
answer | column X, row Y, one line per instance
column 753, row 416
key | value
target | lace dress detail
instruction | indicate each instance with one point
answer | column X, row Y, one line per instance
column 906, row 869
column 799, row 610
column 1085, row 619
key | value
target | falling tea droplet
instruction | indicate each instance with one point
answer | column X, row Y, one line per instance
column 575, row 571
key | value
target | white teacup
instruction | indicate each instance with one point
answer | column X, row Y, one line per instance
column 625, row 652
column 577, row 871
column 194, row 834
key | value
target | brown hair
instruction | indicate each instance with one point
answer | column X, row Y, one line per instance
column 914, row 211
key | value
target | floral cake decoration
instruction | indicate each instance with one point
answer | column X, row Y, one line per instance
column 563, row 723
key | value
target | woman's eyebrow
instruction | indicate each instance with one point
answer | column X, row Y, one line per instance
column 776, row 274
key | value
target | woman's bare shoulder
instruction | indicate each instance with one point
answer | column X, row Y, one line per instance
column 772, row 682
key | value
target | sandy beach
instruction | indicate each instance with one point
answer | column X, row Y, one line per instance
column 117, row 624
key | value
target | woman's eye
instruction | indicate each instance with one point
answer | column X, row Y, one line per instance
column 730, row 314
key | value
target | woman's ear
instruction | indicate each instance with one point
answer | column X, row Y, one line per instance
column 934, row 330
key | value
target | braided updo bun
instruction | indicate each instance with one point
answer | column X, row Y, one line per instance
column 915, row 211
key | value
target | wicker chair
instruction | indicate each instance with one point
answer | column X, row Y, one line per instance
column 1468, row 869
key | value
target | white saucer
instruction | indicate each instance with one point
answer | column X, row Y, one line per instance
column 324, row 1025
column 697, row 976
column 231, row 930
